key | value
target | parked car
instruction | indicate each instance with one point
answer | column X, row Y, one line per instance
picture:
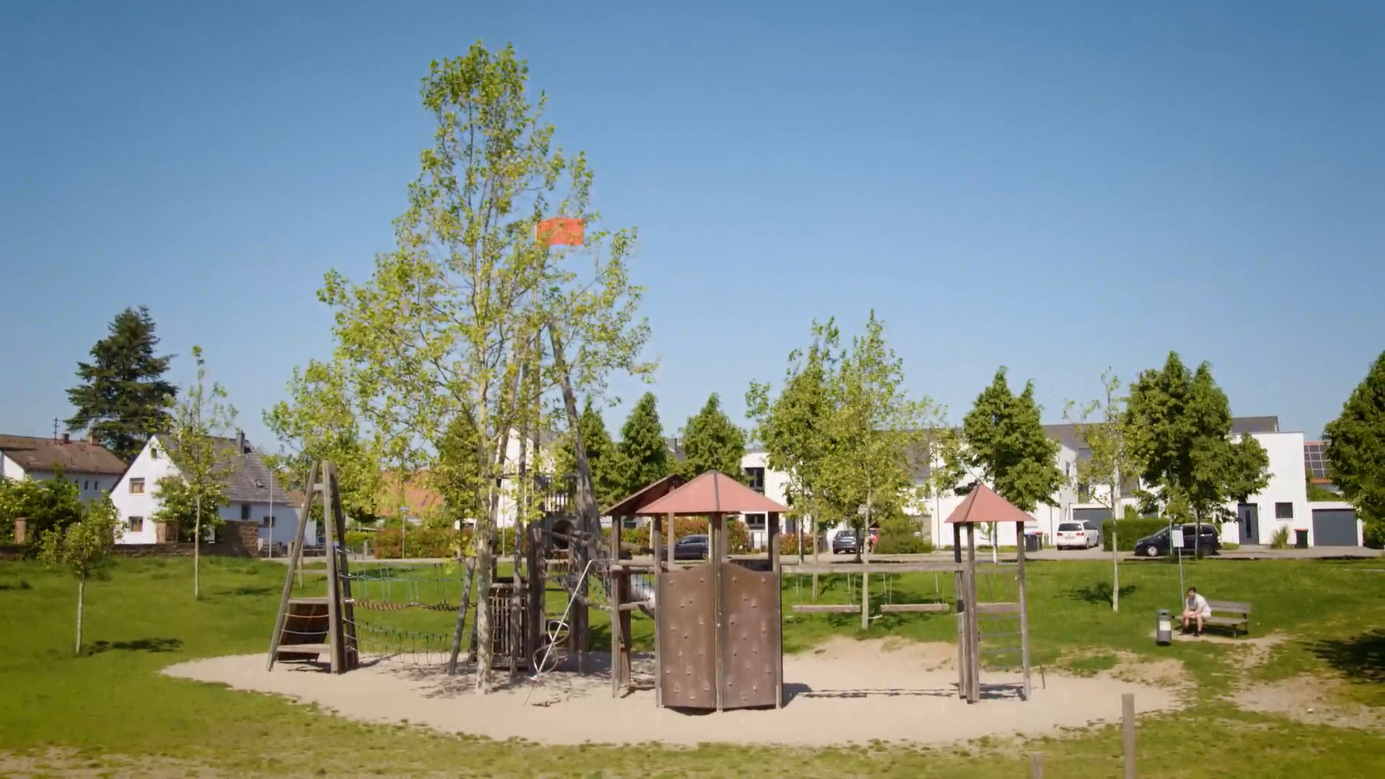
column 691, row 548
column 1095, row 527
column 1076, row 535
column 1158, row 544
column 844, row 542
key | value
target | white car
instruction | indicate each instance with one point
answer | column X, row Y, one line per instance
column 1076, row 535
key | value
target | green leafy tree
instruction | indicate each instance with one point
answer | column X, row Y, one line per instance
column 1356, row 448
column 1178, row 424
column 643, row 450
column 876, row 431
column 1101, row 426
column 123, row 398
column 43, row 504
column 470, row 311
column 602, row 456
column 712, row 442
column 460, row 471
column 204, row 463
column 82, row 547
column 1002, row 443
column 795, row 426
column 318, row 423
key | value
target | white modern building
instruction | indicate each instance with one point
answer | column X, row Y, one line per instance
column 92, row 467
column 250, row 488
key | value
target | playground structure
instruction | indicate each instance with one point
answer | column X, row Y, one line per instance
column 996, row 628
column 718, row 623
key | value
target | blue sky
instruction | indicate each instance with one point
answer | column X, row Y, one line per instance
column 1054, row 187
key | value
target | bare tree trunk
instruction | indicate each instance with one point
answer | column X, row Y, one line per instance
column 197, row 551
column 864, row 543
column 1115, row 547
column 81, row 596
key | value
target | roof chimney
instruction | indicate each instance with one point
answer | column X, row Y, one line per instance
column 67, row 438
column 240, row 442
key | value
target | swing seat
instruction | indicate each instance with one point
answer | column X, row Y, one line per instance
column 914, row 608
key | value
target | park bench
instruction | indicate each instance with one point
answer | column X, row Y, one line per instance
column 1229, row 614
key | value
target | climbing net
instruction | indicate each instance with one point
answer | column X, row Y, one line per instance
column 404, row 612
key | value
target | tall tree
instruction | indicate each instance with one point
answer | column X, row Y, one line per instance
column 1110, row 462
column 1003, row 443
column 643, row 450
column 471, row 311
column 82, row 547
column 318, row 423
column 1178, row 423
column 460, row 472
column 204, row 461
column 1356, row 448
column 712, row 442
column 602, row 457
column 123, row 398
column 876, row 431
column 795, row 426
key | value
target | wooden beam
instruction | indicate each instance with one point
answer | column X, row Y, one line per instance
column 994, row 609
column 1024, row 609
column 295, row 560
column 826, row 608
column 913, row 608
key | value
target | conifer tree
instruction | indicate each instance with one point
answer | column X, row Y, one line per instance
column 602, row 456
column 712, row 442
column 643, row 451
column 123, row 398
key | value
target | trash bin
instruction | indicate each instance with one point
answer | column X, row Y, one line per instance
column 1300, row 539
column 1163, row 628
column 1032, row 542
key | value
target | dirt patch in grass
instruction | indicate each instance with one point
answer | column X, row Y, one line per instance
column 1309, row 699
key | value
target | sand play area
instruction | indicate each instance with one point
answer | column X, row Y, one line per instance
column 846, row 691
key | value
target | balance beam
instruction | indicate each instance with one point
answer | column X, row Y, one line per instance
column 913, row 608
column 825, row 608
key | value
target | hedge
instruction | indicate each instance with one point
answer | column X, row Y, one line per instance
column 899, row 543
column 421, row 542
column 1131, row 530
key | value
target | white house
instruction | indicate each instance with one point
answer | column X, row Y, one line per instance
column 92, row 467
column 773, row 485
column 253, row 495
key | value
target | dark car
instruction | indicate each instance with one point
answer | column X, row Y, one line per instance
column 691, row 548
column 1204, row 536
column 844, row 542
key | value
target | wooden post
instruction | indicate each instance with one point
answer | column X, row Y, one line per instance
column 613, row 599
column 959, row 590
column 347, row 608
column 656, row 536
column 1128, row 726
column 1024, row 608
column 669, row 530
column 333, row 585
column 973, row 624
column 295, row 559
column 717, row 528
column 1036, row 765
column 778, row 606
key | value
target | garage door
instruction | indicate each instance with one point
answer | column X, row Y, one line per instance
column 1091, row 515
column 1334, row 527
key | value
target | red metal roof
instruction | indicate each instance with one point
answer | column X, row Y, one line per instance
column 630, row 505
column 712, row 493
column 984, row 505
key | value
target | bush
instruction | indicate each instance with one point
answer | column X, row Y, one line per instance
column 356, row 540
column 1280, row 538
column 422, row 542
column 1130, row 531
column 1375, row 535
column 899, row 543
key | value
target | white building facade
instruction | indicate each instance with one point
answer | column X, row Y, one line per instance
column 253, row 495
column 92, row 467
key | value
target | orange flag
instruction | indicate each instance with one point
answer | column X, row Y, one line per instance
column 561, row 231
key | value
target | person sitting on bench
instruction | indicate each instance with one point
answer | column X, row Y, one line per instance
column 1195, row 608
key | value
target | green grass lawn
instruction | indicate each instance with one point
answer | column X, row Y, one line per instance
column 112, row 704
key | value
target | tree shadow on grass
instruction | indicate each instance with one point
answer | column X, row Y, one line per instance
column 1100, row 592
column 1361, row 658
column 138, row 645
column 251, row 590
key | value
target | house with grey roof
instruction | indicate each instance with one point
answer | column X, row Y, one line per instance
column 91, row 466
column 251, row 488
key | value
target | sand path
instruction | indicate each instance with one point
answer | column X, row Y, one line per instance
column 845, row 692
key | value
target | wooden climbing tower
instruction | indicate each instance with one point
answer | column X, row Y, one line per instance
column 307, row 628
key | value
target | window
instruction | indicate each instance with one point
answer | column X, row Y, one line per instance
column 244, row 512
column 1283, row 511
column 86, row 485
column 154, row 452
column 137, row 486
column 266, row 521
column 755, row 521
column 135, row 524
column 757, row 479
